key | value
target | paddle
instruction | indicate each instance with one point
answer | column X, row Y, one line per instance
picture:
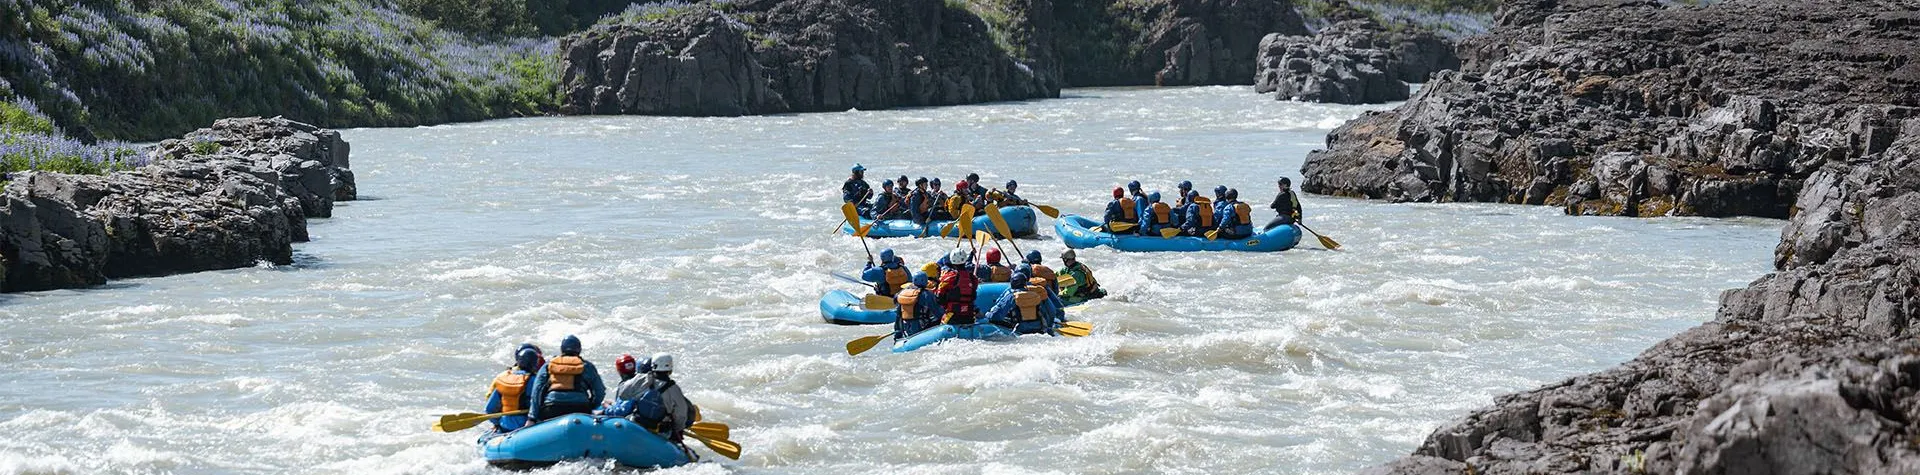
column 1050, row 211
column 1213, row 235
column 467, row 420
column 1169, row 233
column 853, row 216
column 862, row 344
column 1117, row 226
column 1325, row 242
column 712, row 430
column 1006, row 232
column 980, row 237
column 964, row 224
column 1080, row 325
column 878, row 302
column 1073, row 331
column 1064, row 280
column 726, row 448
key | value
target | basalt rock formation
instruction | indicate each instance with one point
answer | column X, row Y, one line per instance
column 1353, row 61
column 1810, row 369
column 765, row 56
column 229, row 196
column 1642, row 108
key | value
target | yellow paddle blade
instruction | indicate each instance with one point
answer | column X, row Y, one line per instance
column 712, row 430
column 1074, row 331
column 1328, row 243
column 467, row 420
column 1065, row 280
column 1120, row 226
column 1097, row 229
column 966, row 220
column 861, row 345
column 999, row 222
column 1081, row 325
column 878, row 302
column 1050, row 211
column 851, row 213
column 1169, row 233
column 726, row 448
column 1213, row 235
column 863, row 230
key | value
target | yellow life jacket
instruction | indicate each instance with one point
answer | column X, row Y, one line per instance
column 1206, row 212
column 1045, row 274
column 510, row 386
column 907, row 300
column 1127, row 210
column 1162, row 214
column 563, row 372
column 954, row 203
column 931, row 269
column 896, row 278
column 1000, row 273
column 1243, row 213
column 1026, row 303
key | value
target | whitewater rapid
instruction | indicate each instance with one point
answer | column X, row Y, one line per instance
column 711, row 238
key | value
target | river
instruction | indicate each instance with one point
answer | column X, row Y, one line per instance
column 711, row 238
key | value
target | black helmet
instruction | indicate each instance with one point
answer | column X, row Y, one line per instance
column 1233, row 194
column 1011, row 184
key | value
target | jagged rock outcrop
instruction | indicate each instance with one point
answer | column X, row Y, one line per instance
column 192, row 208
column 1166, row 42
column 1641, row 108
column 1353, row 61
column 767, row 56
column 1813, row 368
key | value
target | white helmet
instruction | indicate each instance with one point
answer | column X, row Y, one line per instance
column 958, row 257
column 662, row 363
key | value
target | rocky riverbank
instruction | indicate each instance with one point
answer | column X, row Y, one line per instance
column 1355, row 60
column 231, row 195
column 1640, row 108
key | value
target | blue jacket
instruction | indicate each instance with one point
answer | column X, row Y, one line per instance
column 854, row 191
column 915, row 201
column 1192, row 214
column 1230, row 224
column 494, row 404
column 537, row 390
column 1114, row 213
column 1140, row 206
column 927, row 308
column 881, row 201
column 1003, row 308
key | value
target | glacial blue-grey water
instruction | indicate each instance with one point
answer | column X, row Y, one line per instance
column 711, row 238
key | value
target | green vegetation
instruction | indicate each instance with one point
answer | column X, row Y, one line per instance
column 28, row 142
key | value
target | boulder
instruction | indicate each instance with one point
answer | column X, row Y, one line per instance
column 1355, row 60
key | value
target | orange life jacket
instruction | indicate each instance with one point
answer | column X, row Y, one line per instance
column 563, row 372
column 954, row 203
column 908, row 300
column 896, row 278
column 1026, row 303
column 1162, row 214
column 512, row 388
column 1127, row 210
column 1000, row 273
column 1046, row 274
column 1243, row 213
column 1205, row 213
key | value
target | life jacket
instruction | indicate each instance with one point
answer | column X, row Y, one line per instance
column 650, row 409
column 926, row 201
column 1000, row 273
column 1127, row 210
column 563, row 373
column 512, row 388
column 954, row 203
column 1026, row 302
column 1242, row 213
column 897, row 277
column 1045, row 273
column 1205, row 212
column 1162, row 214
column 956, row 295
column 908, row 300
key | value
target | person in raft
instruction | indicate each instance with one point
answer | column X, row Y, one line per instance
column 1084, row 287
column 994, row 271
column 1158, row 216
column 920, row 202
column 1199, row 215
column 957, row 287
column 1045, row 275
column 937, row 197
column 889, row 275
column 1181, row 199
column 915, row 309
column 1027, row 307
column 1009, row 198
column 856, row 190
column 1237, row 223
column 1121, row 211
column 656, row 402
column 628, row 367
column 509, row 392
column 568, row 384
column 1286, row 206
column 884, row 204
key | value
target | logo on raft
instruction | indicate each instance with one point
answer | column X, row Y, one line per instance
column 1253, row 242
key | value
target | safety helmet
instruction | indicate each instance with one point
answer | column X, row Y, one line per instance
column 857, row 168
column 625, row 365
column 1011, row 184
column 1233, row 194
column 527, row 359
column 886, row 256
column 935, row 181
column 957, row 258
column 1019, row 280
column 993, row 256
column 570, row 346
column 932, row 268
column 1284, row 182
column 1117, row 193
column 886, row 183
column 961, row 186
column 1153, row 197
column 1186, row 185
column 662, row 363
column 902, row 179
column 1033, row 256
column 973, row 177
column 1067, row 255
column 1220, row 190
column 1133, row 185
column 920, row 279
column 1192, row 195
column 922, row 181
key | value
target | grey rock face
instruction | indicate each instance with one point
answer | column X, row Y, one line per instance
column 1726, row 115
column 1209, row 42
column 187, row 211
column 1350, row 62
column 813, row 55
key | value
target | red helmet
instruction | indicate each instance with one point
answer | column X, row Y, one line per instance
column 626, row 366
column 993, row 256
column 1117, row 192
column 961, row 186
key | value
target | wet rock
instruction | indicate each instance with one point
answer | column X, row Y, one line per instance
column 1353, row 61
column 1209, row 42
column 767, row 56
column 191, row 209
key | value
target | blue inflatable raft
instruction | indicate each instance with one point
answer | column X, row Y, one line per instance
column 977, row 331
column 841, row 307
column 581, row 436
column 1078, row 233
column 1021, row 218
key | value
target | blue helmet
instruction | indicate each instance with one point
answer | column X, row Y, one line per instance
column 857, row 168
column 935, row 181
column 1133, row 185
column 919, row 280
column 527, row 358
column 886, row 256
column 1153, row 197
column 1233, row 194
column 1019, row 280
column 1186, row 185
column 570, row 346
column 888, row 184
column 1220, row 190
column 1033, row 257
column 1011, row 184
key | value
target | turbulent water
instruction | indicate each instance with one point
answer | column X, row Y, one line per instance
column 712, row 239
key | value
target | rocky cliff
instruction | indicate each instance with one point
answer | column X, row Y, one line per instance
column 1810, row 369
column 227, row 196
column 1641, row 108
column 1352, row 61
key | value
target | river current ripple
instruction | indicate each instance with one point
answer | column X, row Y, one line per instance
column 711, row 238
